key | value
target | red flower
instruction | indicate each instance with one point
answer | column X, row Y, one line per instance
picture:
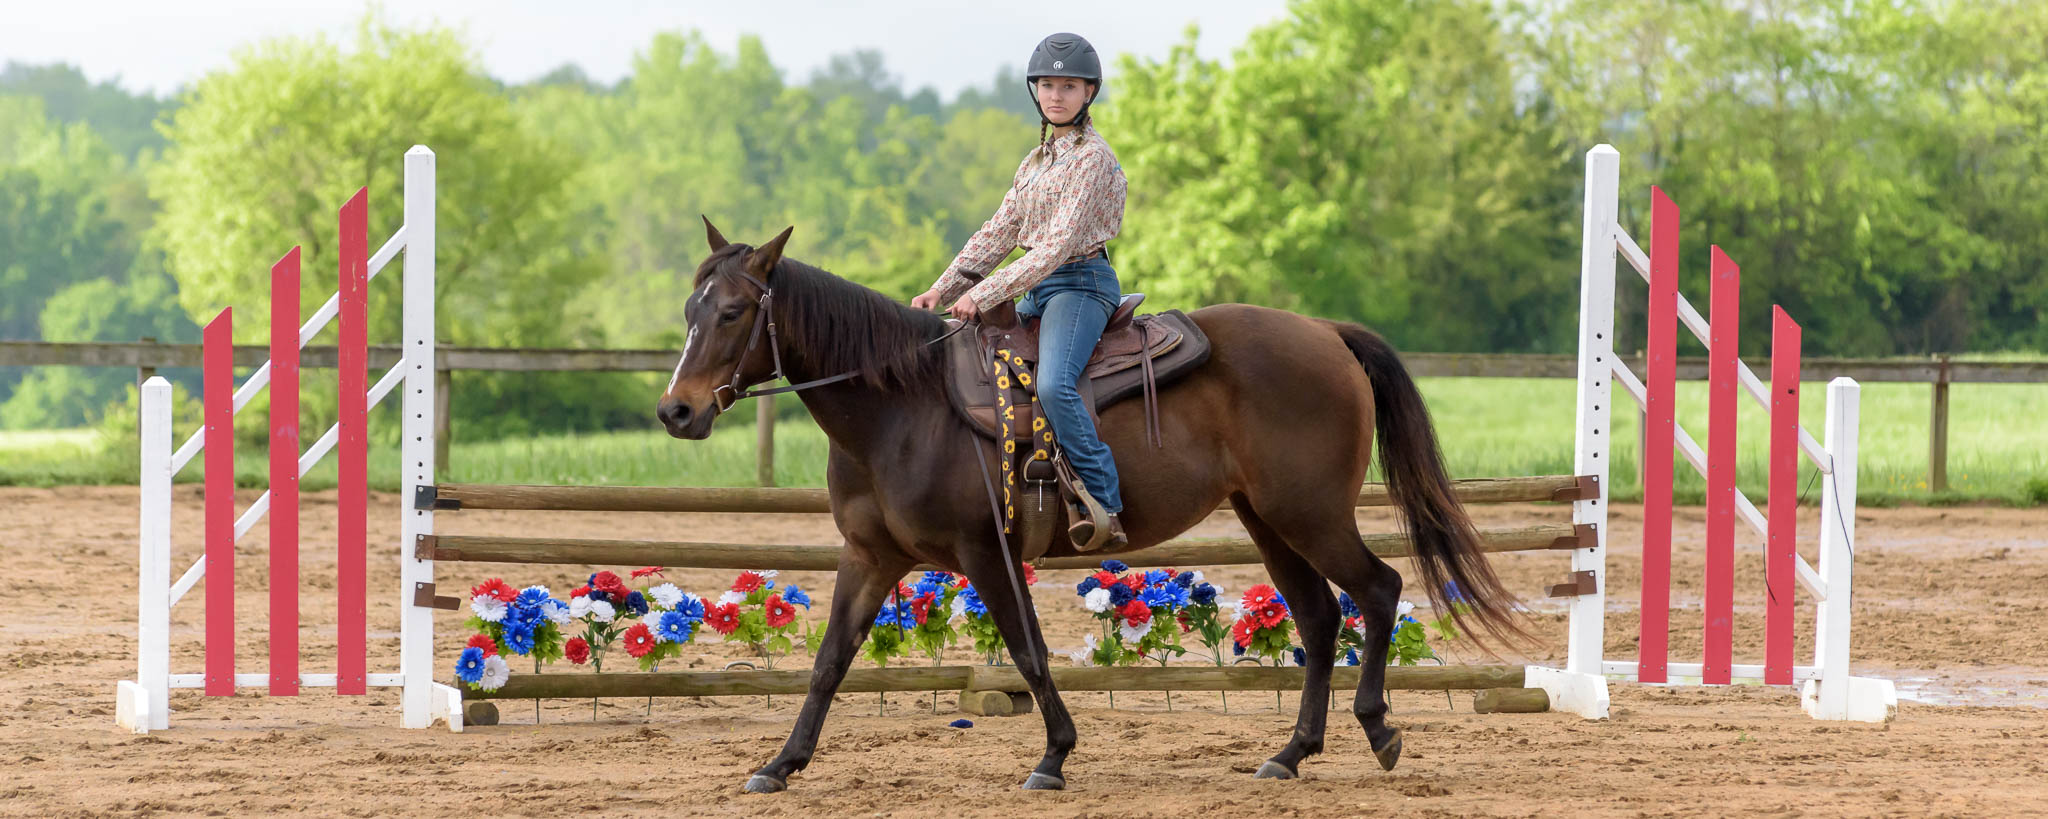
column 921, row 606
column 495, row 588
column 639, row 573
column 639, row 640
column 1104, row 579
column 779, row 613
column 724, row 617
column 611, row 585
column 1258, row 595
column 1135, row 612
column 1030, row 575
column 1135, row 582
column 747, row 582
column 581, row 591
column 1241, row 631
column 1353, row 622
column 1270, row 614
column 1186, row 625
column 577, row 650
column 484, row 642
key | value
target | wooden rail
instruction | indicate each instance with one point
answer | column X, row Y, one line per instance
column 987, row 678
column 819, row 557
column 457, row 496
column 1937, row 371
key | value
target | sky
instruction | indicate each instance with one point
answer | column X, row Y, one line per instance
column 160, row 45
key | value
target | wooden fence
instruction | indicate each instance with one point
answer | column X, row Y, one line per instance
column 147, row 356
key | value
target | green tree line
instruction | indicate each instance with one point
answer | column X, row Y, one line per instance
column 1417, row 166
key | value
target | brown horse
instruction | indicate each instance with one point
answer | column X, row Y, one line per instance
column 1279, row 422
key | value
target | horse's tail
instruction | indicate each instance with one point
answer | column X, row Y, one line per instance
column 1454, row 568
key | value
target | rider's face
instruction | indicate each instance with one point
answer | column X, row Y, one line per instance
column 1062, row 97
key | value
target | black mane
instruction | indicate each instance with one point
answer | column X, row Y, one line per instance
column 833, row 325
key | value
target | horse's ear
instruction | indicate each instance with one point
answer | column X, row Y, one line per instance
column 765, row 257
column 712, row 235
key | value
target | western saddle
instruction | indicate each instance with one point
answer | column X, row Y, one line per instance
column 1137, row 354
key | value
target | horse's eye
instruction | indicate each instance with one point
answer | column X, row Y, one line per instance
column 730, row 316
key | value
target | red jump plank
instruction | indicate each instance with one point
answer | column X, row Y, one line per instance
column 1659, row 440
column 352, row 458
column 217, row 390
column 1781, row 548
column 1721, row 363
column 284, row 476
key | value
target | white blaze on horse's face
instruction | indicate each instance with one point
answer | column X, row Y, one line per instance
column 693, row 342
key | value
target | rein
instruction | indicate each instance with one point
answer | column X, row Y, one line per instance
column 732, row 393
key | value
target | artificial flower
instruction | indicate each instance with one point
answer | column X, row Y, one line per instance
column 483, row 642
column 496, row 672
column 602, row 611
column 781, row 613
column 488, row 608
column 1097, row 600
column 469, row 667
column 795, row 596
column 639, row 640
column 674, row 627
column 577, row 650
column 643, row 572
column 493, row 588
column 748, row 582
column 666, row 595
column 724, row 617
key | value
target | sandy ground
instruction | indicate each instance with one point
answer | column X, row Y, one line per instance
column 1949, row 603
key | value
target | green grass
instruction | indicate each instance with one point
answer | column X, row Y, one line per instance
column 1998, row 448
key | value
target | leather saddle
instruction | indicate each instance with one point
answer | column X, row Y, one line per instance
column 1137, row 354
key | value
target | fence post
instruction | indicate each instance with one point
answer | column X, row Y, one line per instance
column 153, row 623
column 1837, row 550
column 416, row 622
column 443, row 385
column 1937, row 431
column 764, row 441
column 1590, row 445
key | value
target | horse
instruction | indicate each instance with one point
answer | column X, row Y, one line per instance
column 1280, row 422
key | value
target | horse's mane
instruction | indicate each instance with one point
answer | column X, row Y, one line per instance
column 838, row 325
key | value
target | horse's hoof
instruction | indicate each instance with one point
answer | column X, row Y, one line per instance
column 1044, row 782
column 1391, row 753
column 1273, row 770
column 763, row 783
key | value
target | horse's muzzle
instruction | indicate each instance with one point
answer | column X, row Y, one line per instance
column 683, row 422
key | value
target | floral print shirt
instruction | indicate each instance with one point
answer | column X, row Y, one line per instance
column 1065, row 203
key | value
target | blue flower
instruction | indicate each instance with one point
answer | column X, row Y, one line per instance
column 518, row 638
column 1300, row 656
column 470, row 666
column 938, row 578
column 1114, row 566
column 1088, row 584
column 637, row 603
column 1156, row 597
column 925, row 587
column 597, row 596
column 1184, row 580
column 692, row 608
column 532, row 597
column 971, row 602
column 1350, row 656
column 1120, row 594
column 674, row 627
column 1346, row 605
column 522, row 616
column 1236, row 648
column 1282, row 601
column 1203, row 595
column 1156, row 577
column 795, row 596
column 886, row 617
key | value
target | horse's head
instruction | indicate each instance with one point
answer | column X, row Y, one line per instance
column 728, row 348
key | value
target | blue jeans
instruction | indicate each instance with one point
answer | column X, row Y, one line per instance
column 1073, row 305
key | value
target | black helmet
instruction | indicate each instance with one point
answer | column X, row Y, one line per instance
column 1063, row 55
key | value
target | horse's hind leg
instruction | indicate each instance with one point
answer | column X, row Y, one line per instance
column 857, row 596
column 984, row 567
column 1329, row 542
column 1315, row 614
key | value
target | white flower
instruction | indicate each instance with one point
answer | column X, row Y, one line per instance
column 1198, row 581
column 1084, row 656
column 496, row 672
column 488, row 609
column 1096, row 600
column 1403, row 609
column 731, row 596
column 666, row 594
column 959, row 606
column 579, row 607
column 557, row 612
column 769, row 574
column 1133, row 634
column 602, row 611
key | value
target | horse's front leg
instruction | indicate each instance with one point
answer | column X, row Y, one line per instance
column 864, row 580
column 984, row 566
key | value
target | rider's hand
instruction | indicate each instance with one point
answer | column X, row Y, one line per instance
column 928, row 300
column 965, row 309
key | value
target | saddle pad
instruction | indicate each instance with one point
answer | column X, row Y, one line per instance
column 1175, row 343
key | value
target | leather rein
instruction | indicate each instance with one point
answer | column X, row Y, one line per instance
column 732, row 393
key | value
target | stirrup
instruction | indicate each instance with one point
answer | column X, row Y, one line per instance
column 1092, row 532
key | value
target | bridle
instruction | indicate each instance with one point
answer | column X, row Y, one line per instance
column 732, row 393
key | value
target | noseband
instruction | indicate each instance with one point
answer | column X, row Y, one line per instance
column 732, row 393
